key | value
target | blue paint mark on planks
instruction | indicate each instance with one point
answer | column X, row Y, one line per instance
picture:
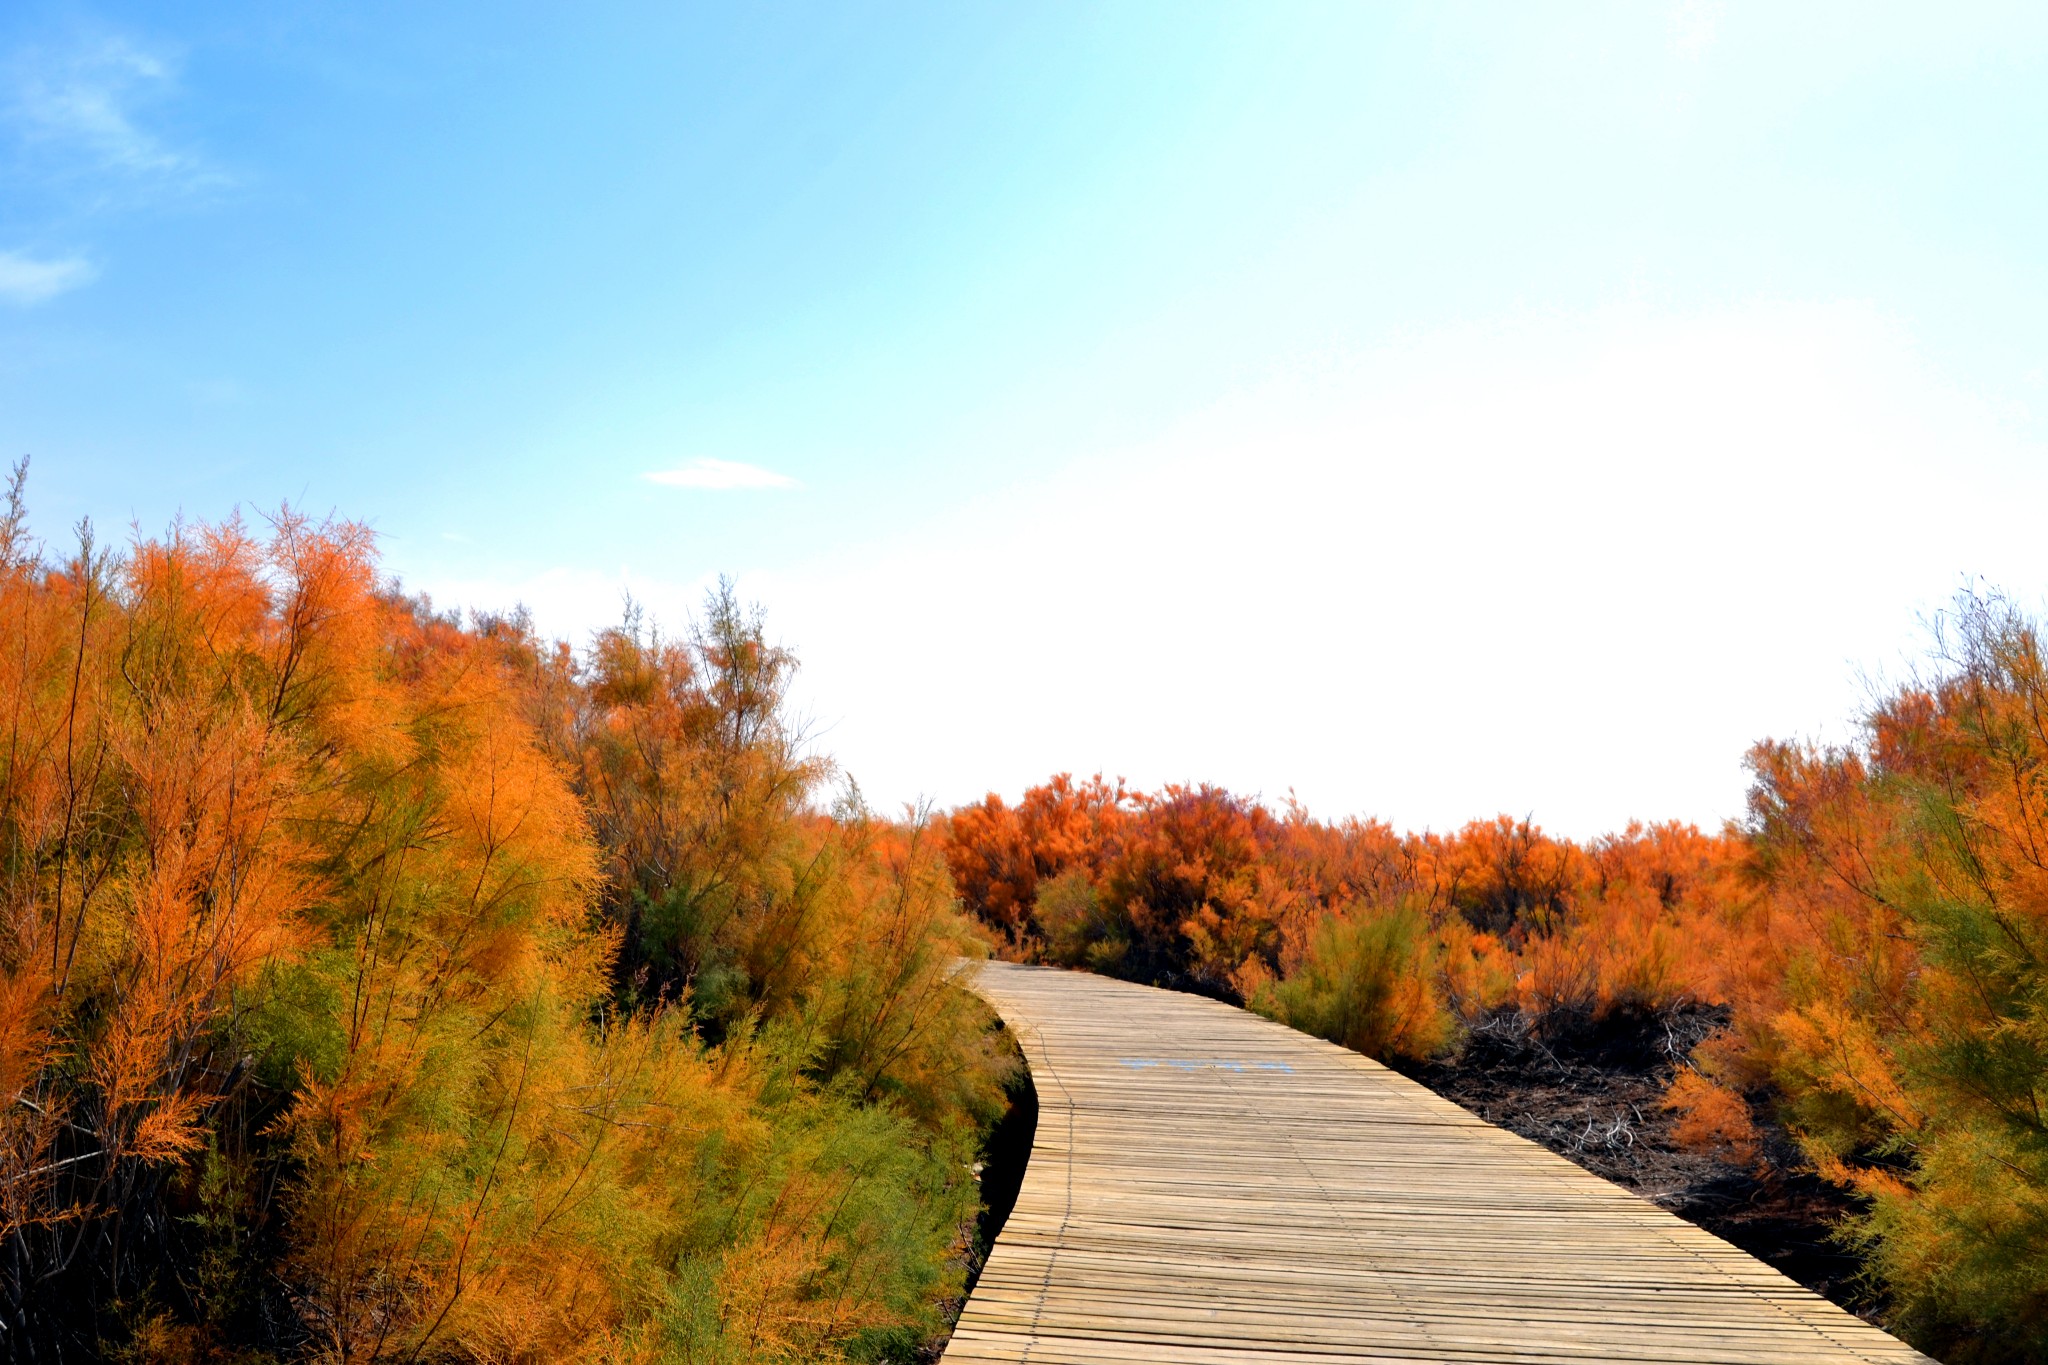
column 1203, row 1064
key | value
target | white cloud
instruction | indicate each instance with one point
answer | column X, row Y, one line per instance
column 709, row 473
column 25, row 280
column 89, row 102
column 1694, row 25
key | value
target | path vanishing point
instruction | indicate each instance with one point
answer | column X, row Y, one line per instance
column 1207, row 1185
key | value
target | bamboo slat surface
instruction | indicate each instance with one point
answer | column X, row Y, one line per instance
column 1207, row 1185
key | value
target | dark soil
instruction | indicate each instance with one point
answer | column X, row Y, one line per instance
column 1006, row 1152
column 1592, row 1092
column 1005, row 1155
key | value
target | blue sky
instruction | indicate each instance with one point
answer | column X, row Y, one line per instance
column 1431, row 409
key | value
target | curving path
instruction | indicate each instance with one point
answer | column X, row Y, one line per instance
column 1207, row 1185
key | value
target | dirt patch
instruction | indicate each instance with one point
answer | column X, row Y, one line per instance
column 1592, row 1092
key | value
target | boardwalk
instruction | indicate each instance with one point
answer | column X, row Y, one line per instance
column 1209, row 1186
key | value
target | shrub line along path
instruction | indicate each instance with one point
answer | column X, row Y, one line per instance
column 1209, row 1186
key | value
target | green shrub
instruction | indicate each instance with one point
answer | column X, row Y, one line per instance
column 1367, row 983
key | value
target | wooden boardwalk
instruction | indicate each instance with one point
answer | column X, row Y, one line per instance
column 1207, row 1185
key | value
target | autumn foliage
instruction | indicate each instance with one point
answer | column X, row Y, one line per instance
column 376, row 987
column 1875, row 932
column 1196, row 888
column 380, row 985
column 1907, row 1025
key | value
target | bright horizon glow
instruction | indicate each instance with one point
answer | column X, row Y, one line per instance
column 1430, row 413
column 705, row 472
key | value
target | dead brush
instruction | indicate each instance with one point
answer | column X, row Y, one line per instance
column 1617, row 1134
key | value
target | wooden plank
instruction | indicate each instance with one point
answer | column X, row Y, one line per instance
column 1207, row 1187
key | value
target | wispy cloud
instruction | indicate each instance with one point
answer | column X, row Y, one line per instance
column 25, row 280
column 218, row 393
column 1694, row 25
column 709, row 473
column 89, row 102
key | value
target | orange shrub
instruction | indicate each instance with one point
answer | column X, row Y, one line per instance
column 311, row 1036
column 1711, row 1118
column 1197, row 888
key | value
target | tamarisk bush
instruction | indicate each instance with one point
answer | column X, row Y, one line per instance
column 374, row 987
